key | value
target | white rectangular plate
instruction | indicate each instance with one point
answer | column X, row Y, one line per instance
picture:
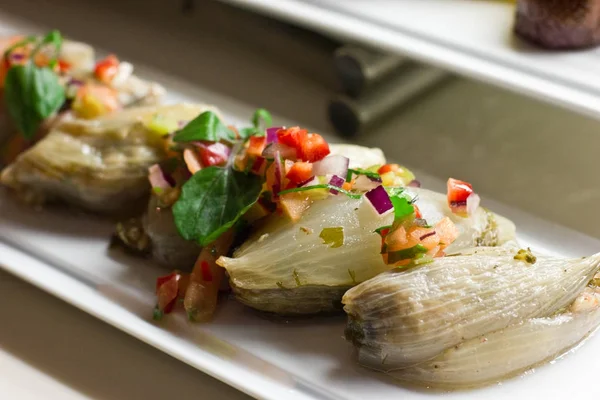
column 67, row 255
column 470, row 37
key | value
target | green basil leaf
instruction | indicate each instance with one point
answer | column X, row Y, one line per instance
column 32, row 94
column 49, row 93
column 206, row 127
column 262, row 119
column 212, row 201
column 402, row 208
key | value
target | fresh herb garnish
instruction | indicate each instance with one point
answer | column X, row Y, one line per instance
column 261, row 120
column 361, row 171
column 381, row 229
column 212, row 201
column 33, row 93
column 402, row 207
column 205, row 127
column 406, row 254
column 322, row 186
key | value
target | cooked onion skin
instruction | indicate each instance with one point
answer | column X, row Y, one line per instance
column 99, row 165
column 169, row 249
column 507, row 352
column 559, row 24
column 286, row 268
column 401, row 319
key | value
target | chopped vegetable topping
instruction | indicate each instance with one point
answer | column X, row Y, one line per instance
column 334, row 237
column 107, row 69
column 458, row 193
column 526, row 255
column 32, row 92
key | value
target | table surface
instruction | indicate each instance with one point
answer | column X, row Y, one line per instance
column 50, row 350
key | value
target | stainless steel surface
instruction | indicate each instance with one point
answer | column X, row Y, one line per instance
column 350, row 116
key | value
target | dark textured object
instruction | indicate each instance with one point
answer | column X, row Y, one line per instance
column 350, row 117
column 559, row 24
column 361, row 69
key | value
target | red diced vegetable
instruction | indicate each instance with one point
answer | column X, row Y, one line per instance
column 380, row 200
column 417, row 211
column 107, row 69
column 167, row 290
column 292, row 137
column 299, row 172
column 313, row 148
column 388, row 168
column 256, row 145
column 214, row 154
column 458, row 192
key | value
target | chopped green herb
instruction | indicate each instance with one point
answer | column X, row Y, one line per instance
column 33, row 93
column 322, row 186
column 157, row 314
column 526, row 255
column 406, row 254
column 262, row 119
column 382, row 228
column 205, row 127
column 360, row 171
column 212, row 201
column 402, row 208
column 280, row 284
column 334, row 237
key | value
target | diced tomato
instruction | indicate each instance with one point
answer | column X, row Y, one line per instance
column 292, row 137
column 259, row 166
column 63, row 66
column 417, row 211
column 299, row 172
column 314, row 148
column 214, row 154
column 256, row 145
column 167, row 290
column 458, row 192
column 388, row 168
column 309, row 146
column 107, row 69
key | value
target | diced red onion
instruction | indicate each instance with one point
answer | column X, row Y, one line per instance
column 425, row 236
column 309, row 182
column 278, row 175
column 365, row 183
column 272, row 134
column 472, row 203
column 286, row 152
column 380, row 200
column 17, row 57
column 332, row 165
column 157, row 177
column 258, row 163
column 414, row 183
column 336, row 181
